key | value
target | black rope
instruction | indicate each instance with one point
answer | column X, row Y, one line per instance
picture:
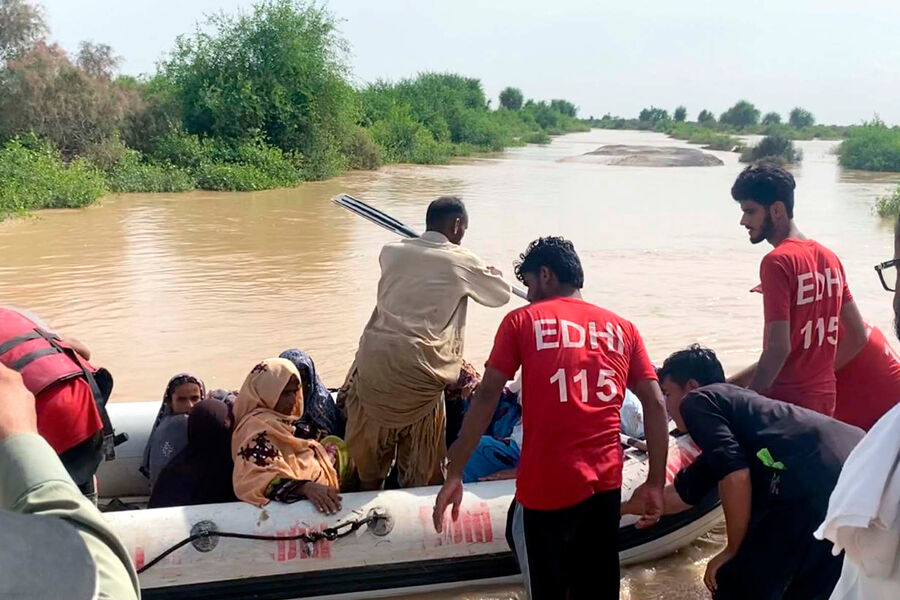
column 330, row 534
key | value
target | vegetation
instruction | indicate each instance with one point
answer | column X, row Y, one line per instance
column 653, row 115
column 741, row 115
column 800, row 118
column 252, row 101
column 680, row 114
column 773, row 148
column 771, row 118
column 888, row 206
column 706, row 118
column 874, row 147
column 511, row 98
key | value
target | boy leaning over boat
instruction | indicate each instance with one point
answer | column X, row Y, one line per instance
column 577, row 360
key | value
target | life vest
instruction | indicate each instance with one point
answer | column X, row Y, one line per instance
column 43, row 359
column 24, row 348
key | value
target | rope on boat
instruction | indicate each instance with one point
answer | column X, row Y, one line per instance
column 331, row 533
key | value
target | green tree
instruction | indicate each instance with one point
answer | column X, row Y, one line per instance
column 564, row 107
column 743, row 114
column 653, row 115
column 511, row 98
column 771, row 118
column 706, row 117
column 680, row 114
column 279, row 71
column 800, row 118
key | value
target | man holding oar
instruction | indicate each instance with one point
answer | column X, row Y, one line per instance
column 412, row 348
column 577, row 360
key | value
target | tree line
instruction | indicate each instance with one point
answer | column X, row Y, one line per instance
column 249, row 101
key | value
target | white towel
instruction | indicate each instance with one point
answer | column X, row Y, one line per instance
column 864, row 510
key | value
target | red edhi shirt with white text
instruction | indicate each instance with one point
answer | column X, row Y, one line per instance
column 803, row 282
column 577, row 360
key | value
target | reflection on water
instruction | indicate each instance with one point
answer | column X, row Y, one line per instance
column 212, row 282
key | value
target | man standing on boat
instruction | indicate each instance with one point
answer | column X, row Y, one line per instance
column 577, row 360
column 805, row 297
column 412, row 348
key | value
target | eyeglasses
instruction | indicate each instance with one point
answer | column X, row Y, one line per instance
column 892, row 275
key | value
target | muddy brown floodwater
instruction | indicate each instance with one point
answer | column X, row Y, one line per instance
column 212, row 282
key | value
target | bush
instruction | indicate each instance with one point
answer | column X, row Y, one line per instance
column 800, row 118
column 773, row 147
column 771, row 118
column 511, row 98
column 33, row 176
column 361, row 150
column 131, row 174
column 680, row 114
column 233, row 177
column 872, row 147
column 888, row 206
column 706, row 117
column 537, row 137
column 403, row 139
column 743, row 114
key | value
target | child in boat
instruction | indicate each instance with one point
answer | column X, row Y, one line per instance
column 270, row 463
column 201, row 473
column 169, row 434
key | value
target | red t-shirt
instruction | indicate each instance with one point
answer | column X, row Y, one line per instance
column 869, row 385
column 803, row 283
column 67, row 414
column 577, row 360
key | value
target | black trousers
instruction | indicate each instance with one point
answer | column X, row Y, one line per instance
column 571, row 553
column 781, row 560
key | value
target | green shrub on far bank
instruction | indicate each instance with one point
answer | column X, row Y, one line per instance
column 33, row 176
column 889, row 206
column 772, row 148
column 872, row 147
column 536, row 137
column 131, row 174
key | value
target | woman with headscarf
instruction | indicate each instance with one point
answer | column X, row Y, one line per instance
column 168, row 436
column 320, row 417
column 201, row 473
column 270, row 463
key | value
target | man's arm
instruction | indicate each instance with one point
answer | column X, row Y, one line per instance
column 33, row 481
column 672, row 503
column 734, row 491
column 484, row 284
column 744, row 377
column 656, row 431
column 776, row 350
column 475, row 423
column 853, row 335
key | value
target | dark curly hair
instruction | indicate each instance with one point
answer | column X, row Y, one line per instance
column 765, row 183
column 557, row 254
column 695, row 362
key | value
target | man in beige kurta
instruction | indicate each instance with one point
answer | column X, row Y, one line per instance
column 412, row 348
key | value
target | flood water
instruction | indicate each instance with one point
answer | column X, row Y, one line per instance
column 212, row 282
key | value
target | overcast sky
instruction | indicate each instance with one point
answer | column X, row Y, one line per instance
column 838, row 58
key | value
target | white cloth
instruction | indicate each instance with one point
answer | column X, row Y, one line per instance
column 864, row 509
column 854, row 584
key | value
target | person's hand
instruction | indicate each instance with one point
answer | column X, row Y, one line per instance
column 631, row 507
column 713, row 566
column 495, row 271
column 451, row 493
column 504, row 474
column 326, row 499
column 649, row 498
column 17, row 413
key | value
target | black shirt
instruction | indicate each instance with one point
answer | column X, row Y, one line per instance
column 794, row 454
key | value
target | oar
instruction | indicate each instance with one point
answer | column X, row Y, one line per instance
column 383, row 219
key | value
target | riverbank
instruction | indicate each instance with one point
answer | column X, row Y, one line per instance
column 259, row 100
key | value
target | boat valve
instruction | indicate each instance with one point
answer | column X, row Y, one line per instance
column 207, row 540
column 380, row 521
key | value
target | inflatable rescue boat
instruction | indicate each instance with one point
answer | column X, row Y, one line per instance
column 381, row 545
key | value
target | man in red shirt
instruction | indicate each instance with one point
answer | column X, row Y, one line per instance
column 869, row 384
column 805, row 296
column 577, row 360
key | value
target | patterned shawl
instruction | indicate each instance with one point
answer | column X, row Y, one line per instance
column 263, row 444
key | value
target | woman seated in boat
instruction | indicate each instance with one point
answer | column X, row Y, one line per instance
column 321, row 417
column 270, row 463
column 168, row 436
column 202, row 472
